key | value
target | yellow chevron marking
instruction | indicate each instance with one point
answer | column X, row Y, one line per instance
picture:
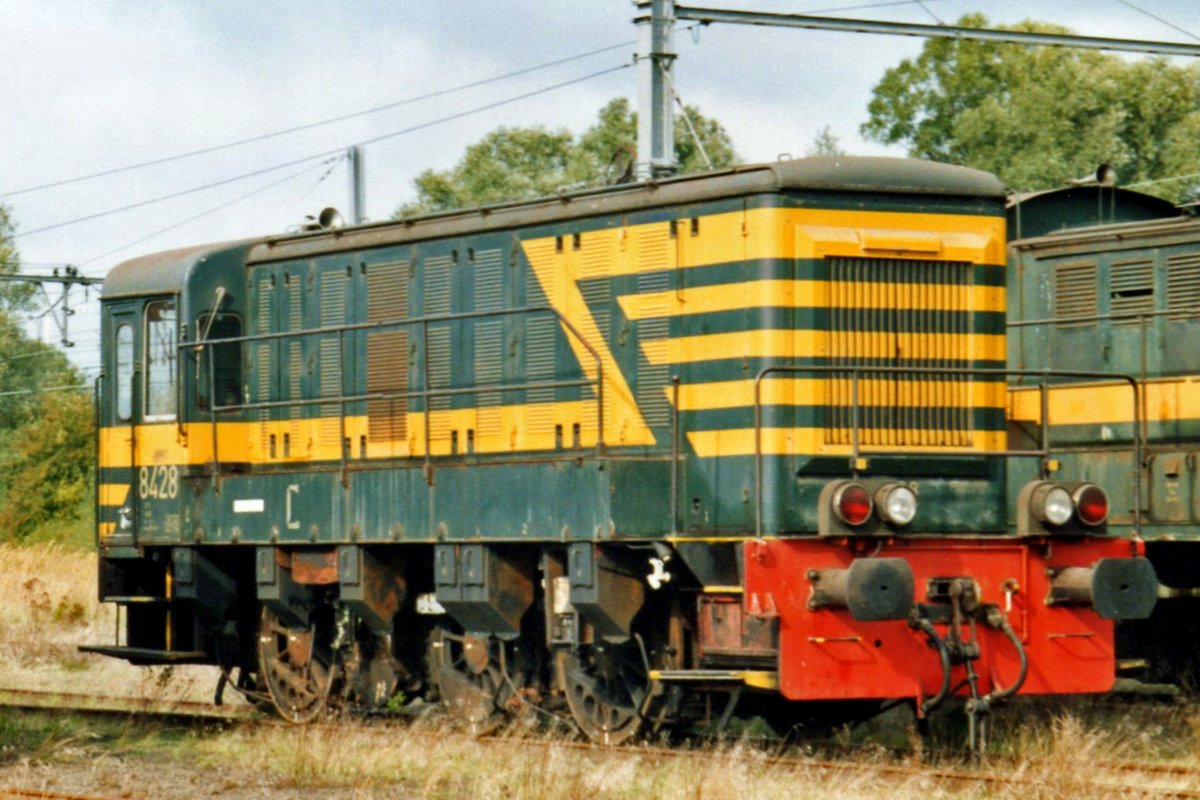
column 1164, row 400
column 780, row 391
column 113, row 494
column 623, row 423
column 106, row 529
column 794, row 294
column 810, row 441
column 817, row 344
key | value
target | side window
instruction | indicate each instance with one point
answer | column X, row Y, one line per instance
column 160, row 360
column 124, row 385
column 227, row 361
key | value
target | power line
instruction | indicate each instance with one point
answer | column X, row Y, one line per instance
column 1159, row 19
column 206, row 212
column 326, row 154
column 317, row 124
column 45, row 389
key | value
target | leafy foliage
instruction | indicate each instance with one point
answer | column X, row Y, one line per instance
column 523, row 163
column 1037, row 116
column 45, row 434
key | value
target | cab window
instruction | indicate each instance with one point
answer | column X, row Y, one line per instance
column 124, row 372
column 227, row 361
column 160, row 360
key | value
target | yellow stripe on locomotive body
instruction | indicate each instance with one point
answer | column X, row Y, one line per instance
column 1110, row 405
column 722, row 238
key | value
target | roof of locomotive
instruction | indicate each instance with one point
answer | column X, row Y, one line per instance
column 1033, row 214
column 166, row 272
column 1116, row 236
column 820, row 174
column 159, row 273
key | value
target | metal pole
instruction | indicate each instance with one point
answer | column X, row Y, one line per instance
column 655, row 21
column 354, row 160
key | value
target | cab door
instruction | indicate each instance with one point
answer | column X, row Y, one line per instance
column 119, row 408
column 161, row 446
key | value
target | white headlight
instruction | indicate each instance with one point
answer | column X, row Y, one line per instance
column 1055, row 505
column 897, row 503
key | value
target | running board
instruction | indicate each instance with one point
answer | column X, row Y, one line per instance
column 757, row 679
column 142, row 656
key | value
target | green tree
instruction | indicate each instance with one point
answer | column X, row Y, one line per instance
column 1038, row 116
column 825, row 144
column 45, row 433
column 523, row 163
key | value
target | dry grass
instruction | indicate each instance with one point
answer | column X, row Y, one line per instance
column 48, row 603
column 48, row 606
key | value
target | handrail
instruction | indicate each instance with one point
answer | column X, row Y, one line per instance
column 426, row 394
column 1043, row 450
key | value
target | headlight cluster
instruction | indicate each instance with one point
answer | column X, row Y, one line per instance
column 1055, row 504
column 895, row 503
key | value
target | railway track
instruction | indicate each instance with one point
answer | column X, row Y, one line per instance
column 90, row 703
column 1105, row 778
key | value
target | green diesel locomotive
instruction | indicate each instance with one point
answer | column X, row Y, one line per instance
column 736, row 437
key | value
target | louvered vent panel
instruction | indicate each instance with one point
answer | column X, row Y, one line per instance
column 387, row 354
column 1075, row 294
column 437, row 285
column 439, row 366
column 540, row 365
column 653, row 327
column 891, row 312
column 489, row 285
column 1130, row 290
column 597, row 295
column 294, row 347
column 1183, row 285
column 263, row 353
column 488, row 364
column 329, row 357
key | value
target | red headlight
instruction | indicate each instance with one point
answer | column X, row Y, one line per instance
column 1091, row 504
column 852, row 504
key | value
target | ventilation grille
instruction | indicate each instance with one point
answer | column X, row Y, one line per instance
column 1130, row 291
column 1075, row 294
column 329, row 355
column 489, row 286
column 891, row 312
column 488, row 363
column 653, row 327
column 387, row 353
column 263, row 354
column 1183, row 286
column 437, row 285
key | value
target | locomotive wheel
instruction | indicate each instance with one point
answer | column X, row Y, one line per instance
column 291, row 666
column 605, row 691
column 469, row 680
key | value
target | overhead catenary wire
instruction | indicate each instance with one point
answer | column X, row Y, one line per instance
column 325, row 154
column 223, row 205
column 319, row 123
column 1157, row 18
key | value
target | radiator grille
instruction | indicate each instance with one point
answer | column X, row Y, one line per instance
column 1183, row 285
column 892, row 312
column 387, row 352
column 1075, row 293
column 1130, row 290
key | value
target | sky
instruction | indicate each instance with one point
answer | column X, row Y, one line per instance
column 96, row 85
